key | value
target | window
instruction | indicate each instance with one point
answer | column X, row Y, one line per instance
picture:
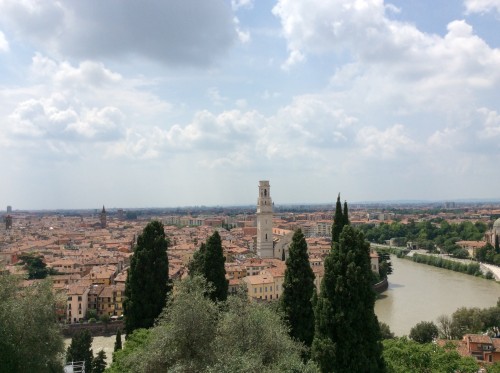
column 254, row 290
column 79, row 298
column 260, row 290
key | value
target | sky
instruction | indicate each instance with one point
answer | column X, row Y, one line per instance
column 188, row 102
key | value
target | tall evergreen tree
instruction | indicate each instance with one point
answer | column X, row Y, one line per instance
column 196, row 265
column 338, row 221
column 147, row 284
column 118, row 341
column 213, row 267
column 99, row 362
column 298, row 290
column 346, row 214
column 80, row 349
column 344, row 317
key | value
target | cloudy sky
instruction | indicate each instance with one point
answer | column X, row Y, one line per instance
column 189, row 102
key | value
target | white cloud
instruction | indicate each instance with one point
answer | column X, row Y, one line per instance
column 238, row 4
column 176, row 32
column 386, row 144
column 482, row 6
column 491, row 124
column 4, row 44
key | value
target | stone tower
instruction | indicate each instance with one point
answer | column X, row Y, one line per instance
column 104, row 222
column 265, row 221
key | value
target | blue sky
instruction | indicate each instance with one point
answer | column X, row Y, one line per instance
column 184, row 102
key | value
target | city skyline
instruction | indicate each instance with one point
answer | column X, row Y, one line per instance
column 184, row 103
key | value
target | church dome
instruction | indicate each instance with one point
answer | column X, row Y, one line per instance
column 496, row 224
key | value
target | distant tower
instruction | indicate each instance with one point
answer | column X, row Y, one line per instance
column 103, row 218
column 8, row 222
column 265, row 221
column 9, row 209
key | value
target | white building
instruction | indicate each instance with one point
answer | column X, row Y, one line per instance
column 265, row 247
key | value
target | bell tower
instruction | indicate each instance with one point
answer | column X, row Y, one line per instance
column 103, row 218
column 265, row 221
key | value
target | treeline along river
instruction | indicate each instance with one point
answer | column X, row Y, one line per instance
column 419, row 292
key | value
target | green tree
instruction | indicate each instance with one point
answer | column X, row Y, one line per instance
column 99, row 362
column 338, row 221
column 30, row 338
column 346, row 214
column 213, row 267
column 118, row 340
column 195, row 335
column 385, row 331
column 196, row 265
column 36, row 267
column 80, row 349
column 344, row 314
column 147, row 284
column 403, row 356
column 298, row 290
column 424, row 332
column 123, row 360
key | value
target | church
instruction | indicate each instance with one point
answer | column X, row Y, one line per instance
column 271, row 242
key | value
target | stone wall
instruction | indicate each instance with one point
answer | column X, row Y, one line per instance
column 381, row 286
column 96, row 329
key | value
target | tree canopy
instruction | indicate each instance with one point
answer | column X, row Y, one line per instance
column 208, row 262
column 344, row 317
column 424, row 332
column 80, row 349
column 195, row 335
column 147, row 284
column 30, row 338
column 298, row 289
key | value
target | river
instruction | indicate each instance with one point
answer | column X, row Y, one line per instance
column 419, row 292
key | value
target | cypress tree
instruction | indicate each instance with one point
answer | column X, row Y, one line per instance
column 80, row 349
column 347, row 333
column 99, row 362
column 196, row 265
column 346, row 214
column 147, row 285
column 213, row 267
column 338, row 221
column 118, row 341
column 298, row 290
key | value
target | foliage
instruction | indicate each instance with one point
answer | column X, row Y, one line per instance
column 99, row 362
column 385, row 265
column 427, row 234
column 488, row 254
column 147, row 284
column 298, row 289
column 124, row 359
column 30, row 338
column 344, row 315
column 437, row 261
column 195, row 335
column 208, row 262
column 196, row 265
column 424, row 332
column 36, row 267
column 213, row 269
column 339, row 220
column 80, row 349
column 118, row 341
column 385, row 331
column 403, row 355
